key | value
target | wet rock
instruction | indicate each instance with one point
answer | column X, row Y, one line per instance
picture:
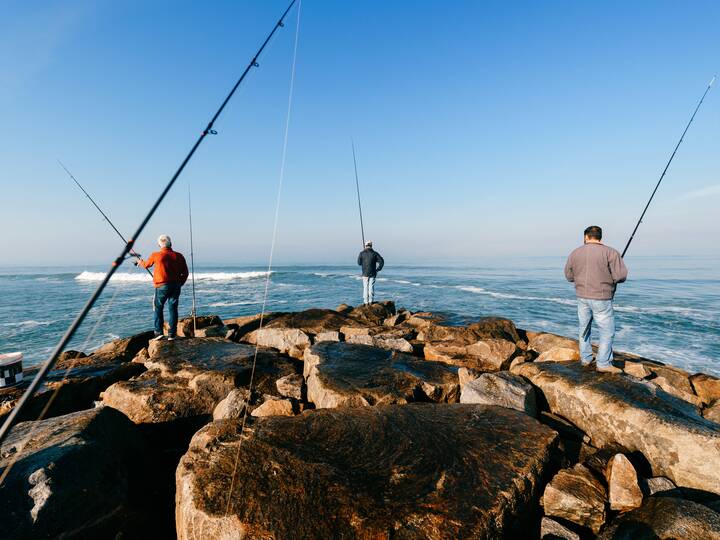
column 349, row 375
column 409, row 471
column 666, row 518
column 73, row 477
column 274, row 407
column 503, row 389
column 636, row 369
column 576, row 495
column 190, row 377
column 552, row 530
column 712, row 412
column 373, row 314
column 706, row 387
column 290, row 386
column 657, row 484
column 624, row 491
column 233, row 406
column 77, row 379
column 614, row 409
column 553, row 348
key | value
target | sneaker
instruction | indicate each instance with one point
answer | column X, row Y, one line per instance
column 608, row 369
column 171, row 338
column 158, row 338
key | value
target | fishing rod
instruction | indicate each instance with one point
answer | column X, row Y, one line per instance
column 50, row 362
column 192, row 262
column 357, row 185
column 104, row 215
column 666, row 167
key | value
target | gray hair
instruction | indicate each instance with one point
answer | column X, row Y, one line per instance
column 164, row 241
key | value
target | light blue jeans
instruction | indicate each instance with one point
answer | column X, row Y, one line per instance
column 602, row 312
column 368, row 289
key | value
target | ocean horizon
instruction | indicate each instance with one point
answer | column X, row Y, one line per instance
column 669, row 309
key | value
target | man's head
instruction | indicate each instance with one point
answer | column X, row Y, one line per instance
column 164, row 241
column 593, row 234
column 368, row 244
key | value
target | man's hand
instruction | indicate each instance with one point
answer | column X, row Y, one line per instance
column 139, row 262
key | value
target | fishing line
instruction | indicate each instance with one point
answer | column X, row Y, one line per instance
column 192, row 261
column 104, row 215
column 47, row 366
column 35, row 424
column 666, row 167
column 272, row 252
column 357, row 186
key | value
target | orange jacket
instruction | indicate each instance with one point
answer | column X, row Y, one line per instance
column 170, row 267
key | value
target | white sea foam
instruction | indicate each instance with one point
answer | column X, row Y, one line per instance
column 26, row 325
column 508, row 296
column 144, row 277
column 230, row 304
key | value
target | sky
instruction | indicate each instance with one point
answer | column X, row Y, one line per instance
column 482, row 129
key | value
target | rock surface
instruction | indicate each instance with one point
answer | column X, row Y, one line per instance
column 72, row 478
column 576, row 495
column 706, row 387
column 552, row 530
column 666, row 518
column 623, row 488
column 349, row 375
column 374, row 472
column 503, row 389
column 614, row 409
column 190, row 377
column 553, row 348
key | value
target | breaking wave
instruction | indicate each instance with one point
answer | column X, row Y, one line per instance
column 508, row 296
column 144, row 277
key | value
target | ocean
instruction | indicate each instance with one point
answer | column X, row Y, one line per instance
column 669, row 309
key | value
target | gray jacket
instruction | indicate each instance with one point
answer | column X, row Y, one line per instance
column 596, row 269
column 371, row 262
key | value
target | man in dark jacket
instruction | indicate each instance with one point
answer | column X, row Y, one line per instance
column 596, row 269
column 371, row 263
column 171, row 273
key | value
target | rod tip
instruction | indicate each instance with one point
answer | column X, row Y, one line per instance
column 712, row 81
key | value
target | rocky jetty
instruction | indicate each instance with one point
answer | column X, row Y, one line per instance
column 368, row 422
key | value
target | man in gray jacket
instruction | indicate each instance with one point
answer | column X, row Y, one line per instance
column 371, row 263
column 596, row 269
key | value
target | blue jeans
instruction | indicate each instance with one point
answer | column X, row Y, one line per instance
column 602, row 312
column 170, row 293
column 368, row 289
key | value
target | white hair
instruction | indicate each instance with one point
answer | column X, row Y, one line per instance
column 164, row 241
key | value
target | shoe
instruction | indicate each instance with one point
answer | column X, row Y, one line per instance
column 608, row 369
column 171, row 338
column 158, row 338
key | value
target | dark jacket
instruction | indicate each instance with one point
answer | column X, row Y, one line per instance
column 371, row 262
column 596, row 269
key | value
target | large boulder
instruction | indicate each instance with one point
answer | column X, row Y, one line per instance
column 553, row 348
column 77, row 379
column 503, row 389
column 482, row 355
column 189, row 377
column 350, row 375
column 407, row 471
column 666, row 518
column 578, row 496
column 73, row 476
column 617, row 410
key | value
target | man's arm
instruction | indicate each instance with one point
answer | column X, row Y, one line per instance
column 618, row 270
column 569, row 275
column 380, row 262
column 147, row 264
column 360, row 259
column 184, row 272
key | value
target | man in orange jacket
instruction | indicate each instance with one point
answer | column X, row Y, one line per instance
column 171, row 273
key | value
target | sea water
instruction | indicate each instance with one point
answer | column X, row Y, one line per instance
column 669, row 309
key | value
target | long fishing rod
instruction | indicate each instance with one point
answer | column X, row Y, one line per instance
column 192, row 262
column 50, row 362
column 104, row 215
column 666, row 167
column 357, row 186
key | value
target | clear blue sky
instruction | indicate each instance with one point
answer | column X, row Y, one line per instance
column 482, row 128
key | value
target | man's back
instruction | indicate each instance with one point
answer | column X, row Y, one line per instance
column 371, row 262
column 170, row 267
column 595, row 269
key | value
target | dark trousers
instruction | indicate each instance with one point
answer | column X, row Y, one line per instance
column 170, row 293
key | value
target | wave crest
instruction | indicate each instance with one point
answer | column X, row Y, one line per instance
column 145, row 278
